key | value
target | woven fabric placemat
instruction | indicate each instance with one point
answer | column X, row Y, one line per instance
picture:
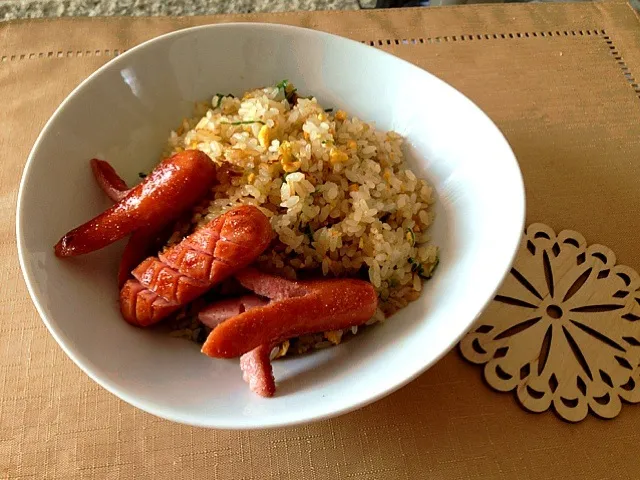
column 560, row 80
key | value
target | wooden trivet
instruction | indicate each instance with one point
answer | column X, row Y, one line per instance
column 564, row 329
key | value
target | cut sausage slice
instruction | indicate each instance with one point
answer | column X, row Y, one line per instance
column 258, row 372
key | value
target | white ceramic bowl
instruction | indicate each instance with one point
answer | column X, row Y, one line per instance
column 124, row 113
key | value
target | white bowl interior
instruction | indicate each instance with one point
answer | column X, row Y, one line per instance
column 124, row 113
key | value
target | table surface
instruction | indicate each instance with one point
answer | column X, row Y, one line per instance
column 560, row 80
column 17, row 9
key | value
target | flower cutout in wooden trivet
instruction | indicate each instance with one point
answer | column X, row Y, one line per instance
column 564, row 329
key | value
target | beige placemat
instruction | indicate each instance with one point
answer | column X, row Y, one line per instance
column 561, row 80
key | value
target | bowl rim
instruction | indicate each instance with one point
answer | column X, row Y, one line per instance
column 217, row 423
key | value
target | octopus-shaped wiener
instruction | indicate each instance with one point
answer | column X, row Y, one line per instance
column 187, row 270
column 174, row 186
column 170, row 190
column 249, row 326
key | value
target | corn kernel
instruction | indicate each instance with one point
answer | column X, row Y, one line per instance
column 306, row 135
column 322, row 117
column 341, row 115
column 251, row 177
column 264, row 136
column 352, row 144
column 337, row 156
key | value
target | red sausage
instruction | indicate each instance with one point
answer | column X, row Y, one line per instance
column 172, row 187
column 141, row 241
column 218, row 312
column 258, row 372
column 108, row 180
column 315, row 306
column 141, row 244
column 187, row 270
column 256, row 364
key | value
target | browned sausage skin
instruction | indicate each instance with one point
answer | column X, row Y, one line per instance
column 109, row 181
column 175, row 185
column 185, row 271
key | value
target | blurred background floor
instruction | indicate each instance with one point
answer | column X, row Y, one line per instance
column 16, row 9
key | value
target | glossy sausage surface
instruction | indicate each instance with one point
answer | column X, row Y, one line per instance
column 108, row 180
column 176, row 184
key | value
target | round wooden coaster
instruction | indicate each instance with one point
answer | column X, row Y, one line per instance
column 564, row 329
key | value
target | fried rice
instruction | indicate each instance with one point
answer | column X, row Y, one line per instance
column 339, row 195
